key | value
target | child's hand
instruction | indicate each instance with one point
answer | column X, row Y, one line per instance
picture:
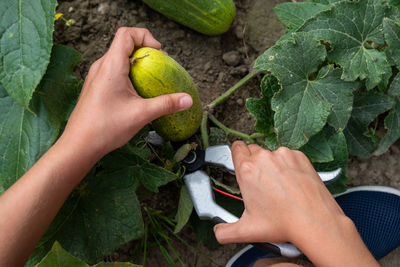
column 109, row 111
column 282, row 193
column 286, row 201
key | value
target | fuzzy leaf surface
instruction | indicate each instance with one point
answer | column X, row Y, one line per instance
column 392, row 36
column 26, row 136
column 366, row 108
column 58, row 256
column 303, row 105
column 26, row 39
column 294, row 14
column 185, row 208
column 347, row 27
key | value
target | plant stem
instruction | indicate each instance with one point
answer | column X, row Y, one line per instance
column 257, row 135
column 203, row 129
column 209, row 108
column 229, row 130
column 233, row 89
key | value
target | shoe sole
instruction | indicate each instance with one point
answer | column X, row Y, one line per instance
column 376, row 188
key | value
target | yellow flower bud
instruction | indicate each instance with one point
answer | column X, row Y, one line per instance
column 58, row 15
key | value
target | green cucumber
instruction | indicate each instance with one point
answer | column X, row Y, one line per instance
column 153, row 73
column 209, row 17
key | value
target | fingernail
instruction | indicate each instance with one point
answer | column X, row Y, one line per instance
column 185, row 102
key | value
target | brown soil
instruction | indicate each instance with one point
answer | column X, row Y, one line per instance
column 215, row 63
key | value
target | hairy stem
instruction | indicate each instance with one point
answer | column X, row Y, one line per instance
column 257, row 135
column 209, row 108
column 229, row 130
column 203, row 129
column 233, row 89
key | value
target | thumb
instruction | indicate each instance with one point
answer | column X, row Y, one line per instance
column 166, row 104
column 226, row 233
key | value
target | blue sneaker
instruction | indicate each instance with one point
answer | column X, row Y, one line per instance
column 375, row 210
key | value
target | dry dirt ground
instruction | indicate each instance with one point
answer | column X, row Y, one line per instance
column 215, row 63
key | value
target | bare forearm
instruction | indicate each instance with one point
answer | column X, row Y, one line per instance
column 29, row 206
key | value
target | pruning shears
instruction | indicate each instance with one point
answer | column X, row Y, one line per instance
column 200, row 190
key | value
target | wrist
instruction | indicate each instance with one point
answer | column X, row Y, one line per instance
column 335, row 244
column 76, row 152
column 81, row 146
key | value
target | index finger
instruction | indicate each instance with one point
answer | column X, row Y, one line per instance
column 240, row 152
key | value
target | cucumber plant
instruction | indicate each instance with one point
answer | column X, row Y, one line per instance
column 330, row 86
column 329, row 82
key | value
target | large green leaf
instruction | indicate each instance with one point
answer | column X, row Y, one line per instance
column 359, row 144
column 100, row 215
column 348, row 27
column 366, row 108
column 392, row 36
column 26, row 38
column 299, row 112
column 318, row 149
column 294, row 14
column 303, row 105
column 58, row 256
column 59, row 87
column 25, row 136
column 150, row 176
column 261, row 108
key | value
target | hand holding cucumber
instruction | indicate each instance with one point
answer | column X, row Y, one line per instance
column 109, row 111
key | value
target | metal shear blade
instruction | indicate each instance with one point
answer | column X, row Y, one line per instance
column 221, row 156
